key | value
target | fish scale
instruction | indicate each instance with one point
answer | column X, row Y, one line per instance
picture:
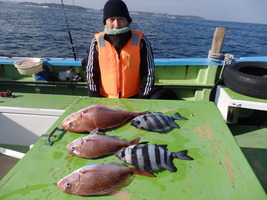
column 151, row 157
column 98, row 179
column 157, row 121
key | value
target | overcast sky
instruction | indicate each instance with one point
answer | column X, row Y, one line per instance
column 252, row 11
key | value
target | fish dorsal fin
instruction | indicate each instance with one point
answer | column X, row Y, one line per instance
column 135, row 141
column 160, row 113
column 83, row 171
column 143, row 143
column 164, row 146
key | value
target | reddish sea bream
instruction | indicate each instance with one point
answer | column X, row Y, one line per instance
column 98, row 179
column 93, row 145
column 97, row 116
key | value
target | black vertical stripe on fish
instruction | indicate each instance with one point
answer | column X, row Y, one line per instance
column 149, row 123
column 168, row 120
column 144, row 122
column 158, row 156
column 158, row 122
column 134, row 159
column 154, row 121
column 146, row 157
column 161, row 121
column 164, row 119
column 165, row 164
column 122, row 153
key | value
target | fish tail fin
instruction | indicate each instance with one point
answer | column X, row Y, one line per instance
column 135, row 141
column 178, row 116
column 182, row 155
column 142, row 173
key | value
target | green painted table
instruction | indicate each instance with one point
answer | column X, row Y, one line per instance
column 219, row 171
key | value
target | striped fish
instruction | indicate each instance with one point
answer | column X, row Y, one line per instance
column 151, row 157
column 157, row 121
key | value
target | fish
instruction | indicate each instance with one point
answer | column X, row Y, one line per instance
column 151, row 157
column 94, row 145
column 156, row 121
column 99, row 179
column 97, row 116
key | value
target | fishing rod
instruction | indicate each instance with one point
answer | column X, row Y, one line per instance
column 70, row 36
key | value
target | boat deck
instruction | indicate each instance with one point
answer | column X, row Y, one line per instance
column 205, row 135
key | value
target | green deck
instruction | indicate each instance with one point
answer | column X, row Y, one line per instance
column 219, row 171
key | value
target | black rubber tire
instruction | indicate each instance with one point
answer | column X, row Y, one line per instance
column 247, row 78
column 164, row 94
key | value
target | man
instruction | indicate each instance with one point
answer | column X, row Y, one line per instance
column 120, row 60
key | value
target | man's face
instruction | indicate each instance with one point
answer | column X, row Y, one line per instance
column 116, row 22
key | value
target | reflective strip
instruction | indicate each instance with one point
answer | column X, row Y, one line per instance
column 135, row 39
column 101, row 41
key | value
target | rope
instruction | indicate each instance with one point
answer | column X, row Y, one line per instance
column 218, row 57
column 228, row 59
column 68, row 27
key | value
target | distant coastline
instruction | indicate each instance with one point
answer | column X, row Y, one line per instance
column 59, row 6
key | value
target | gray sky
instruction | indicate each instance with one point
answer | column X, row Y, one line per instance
column 252, row 11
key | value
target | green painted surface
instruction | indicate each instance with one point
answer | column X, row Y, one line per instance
column 250, row 136
column 235, row 95
column 252, row 141
column 43, row 101
column 219, row 171
column 190, row 80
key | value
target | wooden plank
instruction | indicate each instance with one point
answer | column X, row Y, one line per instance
column 219, row 171
column 218, row 39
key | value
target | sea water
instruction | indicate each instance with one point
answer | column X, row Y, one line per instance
column 42, row 32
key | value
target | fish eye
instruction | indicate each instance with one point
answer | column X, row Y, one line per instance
column 145, row 117
column 68, row 185
column 72, row 148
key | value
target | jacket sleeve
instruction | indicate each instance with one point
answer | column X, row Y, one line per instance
column 147, row 68
column 93, row 71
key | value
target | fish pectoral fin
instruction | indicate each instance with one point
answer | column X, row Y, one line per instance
column 94, row 132
column 143, row 173
column 83, row 171
column 116, row 163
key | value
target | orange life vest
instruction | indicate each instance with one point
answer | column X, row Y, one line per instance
column 120, row 74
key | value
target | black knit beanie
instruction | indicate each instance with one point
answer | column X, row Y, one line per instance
column 116, row 8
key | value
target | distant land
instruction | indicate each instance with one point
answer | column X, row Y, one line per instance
column 59, row 6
